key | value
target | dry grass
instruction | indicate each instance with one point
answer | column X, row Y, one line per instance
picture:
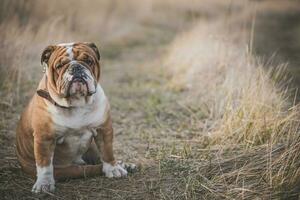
column 248, row 109
column 246, row 103
column 225, row 127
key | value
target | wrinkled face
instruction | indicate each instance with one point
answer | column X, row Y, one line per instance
column 73, row 72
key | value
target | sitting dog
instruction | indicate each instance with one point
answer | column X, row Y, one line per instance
column 66, row 127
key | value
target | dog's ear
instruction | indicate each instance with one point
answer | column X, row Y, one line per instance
column 47, row 53
column 95, row 49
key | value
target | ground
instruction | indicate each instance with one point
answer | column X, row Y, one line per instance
column 163, row 129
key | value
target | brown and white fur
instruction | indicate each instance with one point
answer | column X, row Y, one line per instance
column 65, row 135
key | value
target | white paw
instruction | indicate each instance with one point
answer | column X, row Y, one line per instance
column 45, row 184
column 113, row 170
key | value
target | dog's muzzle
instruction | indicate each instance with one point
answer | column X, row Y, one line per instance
column 79, row 81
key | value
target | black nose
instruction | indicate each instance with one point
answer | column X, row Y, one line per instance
column 75, row 69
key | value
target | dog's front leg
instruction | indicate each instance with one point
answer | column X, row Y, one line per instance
column 104, row 142
column 43, row 153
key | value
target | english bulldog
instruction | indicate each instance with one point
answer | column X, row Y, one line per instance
column 66, row 128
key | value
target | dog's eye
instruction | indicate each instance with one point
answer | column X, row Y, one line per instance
column 58, row 65
column 89, row 61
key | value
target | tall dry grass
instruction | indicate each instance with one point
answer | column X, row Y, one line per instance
column 251, row 114
column 247, row 101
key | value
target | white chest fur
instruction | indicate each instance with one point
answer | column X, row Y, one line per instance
column 85, row 117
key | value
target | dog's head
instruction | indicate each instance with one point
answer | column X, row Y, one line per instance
column 73, row 72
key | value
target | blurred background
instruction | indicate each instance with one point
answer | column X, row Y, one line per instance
column 202, row 92
column 28, row 26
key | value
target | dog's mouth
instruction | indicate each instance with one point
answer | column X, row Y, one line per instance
column 78, row 87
